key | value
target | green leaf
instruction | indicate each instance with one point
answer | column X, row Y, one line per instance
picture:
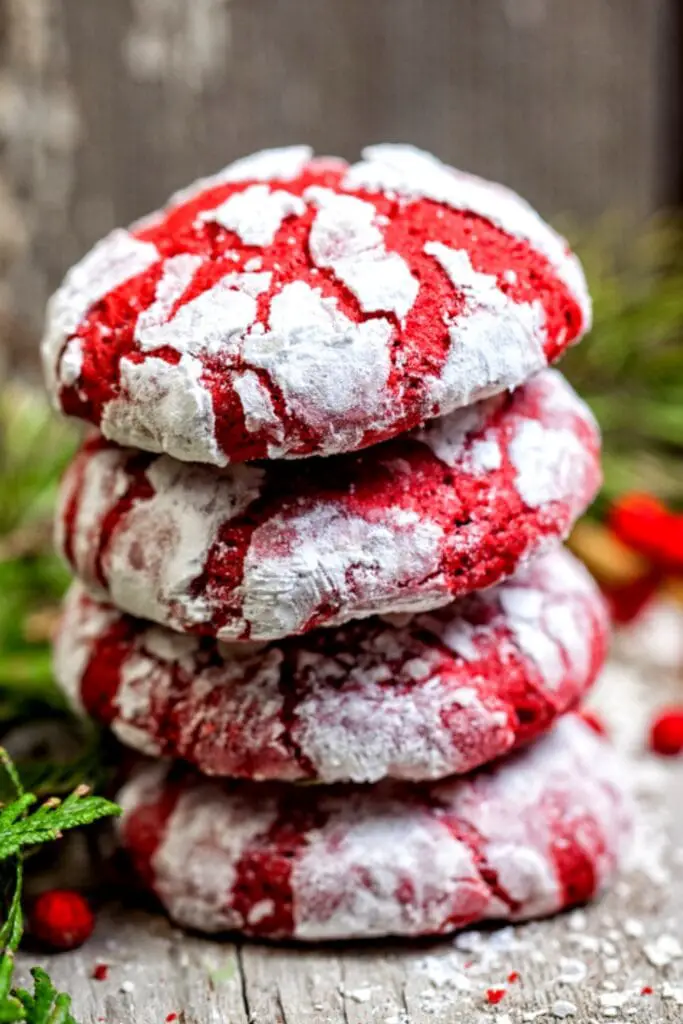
column 22, row 824
column 45, row 1005
column 49, row 820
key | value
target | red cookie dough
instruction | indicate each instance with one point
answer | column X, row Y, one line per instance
column 539, row 832
column 264, row 551
column 294, row 306
column 417, row 698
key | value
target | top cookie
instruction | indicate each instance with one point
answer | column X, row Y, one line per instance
column 292, row 305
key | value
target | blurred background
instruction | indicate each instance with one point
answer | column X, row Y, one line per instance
column 107, row 107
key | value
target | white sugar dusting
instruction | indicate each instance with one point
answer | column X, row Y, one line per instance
column 496, row 343
column 257, row 405
column 334, row 854
column 212, row 323
column 447, row 436
column 111, row 263
column 346, row 238
column 485, row 456
column 268, row 164
column 329, row 369
column 164, row 407
column 548, row 607
column 73, row 647
column 102, row 482
column 181, row 520
column 367, row 848
column 546, row 461
column 326, row 555
column 256, row 214
column 71, row 363
column 362, row 735
column 353, row 717
column 413, row 173
column 176, row 277
column 222, row 829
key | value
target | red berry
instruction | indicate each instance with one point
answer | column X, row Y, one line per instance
column 513, row 976
column 666, row 732
column 592, row 719
column 646, row 990
column 61, row 919
column 646, row 525
column 494, row 995
column 100, row 972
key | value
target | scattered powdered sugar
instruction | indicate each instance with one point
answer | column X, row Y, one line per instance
column 572, row 971
column 563, row 1008
column 663, row 950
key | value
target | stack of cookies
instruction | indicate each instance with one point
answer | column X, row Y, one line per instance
column 318, row 540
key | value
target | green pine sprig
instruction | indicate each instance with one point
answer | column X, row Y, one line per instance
column 26, row 823
column 22, row 824
column 45, row 1005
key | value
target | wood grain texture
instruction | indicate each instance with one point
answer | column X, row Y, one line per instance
column 105, row 108
column 156, row 970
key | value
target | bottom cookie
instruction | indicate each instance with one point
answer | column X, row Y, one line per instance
column 538, row 832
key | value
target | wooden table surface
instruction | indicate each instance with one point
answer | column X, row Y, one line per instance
column 619, row 960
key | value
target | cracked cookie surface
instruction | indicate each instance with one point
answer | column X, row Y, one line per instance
column 261, row 551
column 292, row 306
column 539, row 832
column 414, row 697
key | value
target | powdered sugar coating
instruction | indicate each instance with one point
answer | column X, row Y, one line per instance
column 113, row 261
column 358, row 301
column 411, row 172
column 539, row 832
column 435, row 695
column 260, row 553
column 256, row 214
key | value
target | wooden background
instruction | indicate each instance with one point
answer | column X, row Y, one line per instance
column 108, row 105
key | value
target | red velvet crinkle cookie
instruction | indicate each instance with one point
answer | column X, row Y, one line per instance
column 293, row 305
column 259, row 552
column 539, row 832
column 422, row 698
